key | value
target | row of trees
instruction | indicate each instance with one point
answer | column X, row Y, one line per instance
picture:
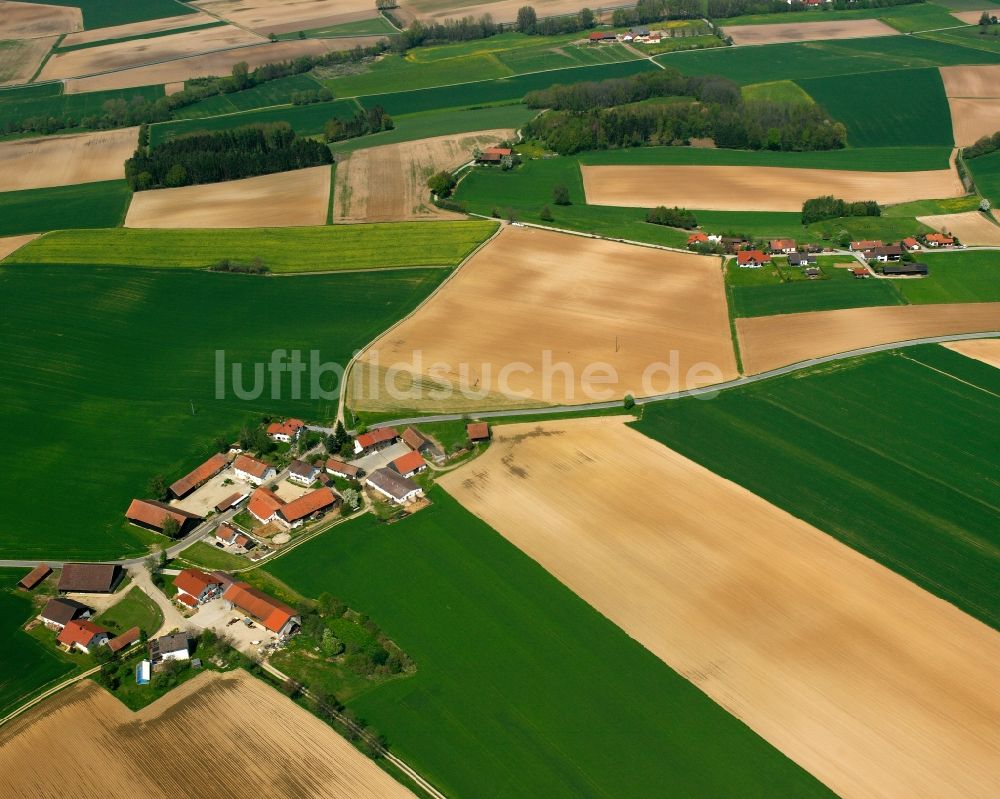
column 829, row 207
column 365, row 121
column 647, row 11
column 223, row 155
column 985, row 146
column 672, row 217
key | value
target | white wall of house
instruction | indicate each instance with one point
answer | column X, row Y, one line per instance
column 180, row 654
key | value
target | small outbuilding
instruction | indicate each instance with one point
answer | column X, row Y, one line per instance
column 31, row 580
column 409, row 464
column 124, row 641
column 198, row 477
column 477, row 432
column 60, row 611
column 176, row 646
column 906, row 268
column 90, row 578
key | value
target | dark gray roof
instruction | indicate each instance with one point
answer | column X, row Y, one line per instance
column 90, row 577
column 63, row 611
column 905, row 269
column 392, row 483
column 302, row 469
column 173, row 642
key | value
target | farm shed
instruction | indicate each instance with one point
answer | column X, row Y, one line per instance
column 375, row 440
column 90, row 578
column 274, row 615
column 341, row 469
column 298, row 510
column 152, row 515
column 477, row 431
column 59, row 612
column 393, row 486
column 34, row 577
column 199, row 476
column 125, row 640
column 905, row 268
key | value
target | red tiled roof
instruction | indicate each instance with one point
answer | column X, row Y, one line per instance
column 783, row 244
column 940, row 238
column 746, row 256
column 34, row 577
column 413, row 438
column 228, row 502
column 271, row 613
column 79, row 631
column 195, row 478
column 225, row 532
column 866, row 245
column 339, row 467
column 152, row 513
column 245, row 463
column 264, row 502
column 859, row 270
column 379, row 436
column 694, row 238
column 308, row 504
column 241, row 540
column 193, row 581
column 501, row 151
column 407, row 463
column 909, row 241
column 119, row 642
column 290, row 427
column 187, row 599
column 477, row 431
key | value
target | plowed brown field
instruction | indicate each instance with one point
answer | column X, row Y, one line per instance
column 974, row 99
column 539, row 317
column 282, row 16
column 986, row 350
column 29, row 20
column 971, row 227
column 978, row 81
column 808, row 31
column 389, row 183
column 870, row 683
column 20, row 59
column 284, row 199
column 228, row 735
column 65, row 160
column 137, row 29
column 756, row 188
column 767, row 342
column 9, row 244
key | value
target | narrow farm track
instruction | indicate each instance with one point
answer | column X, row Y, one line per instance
column 46, row 694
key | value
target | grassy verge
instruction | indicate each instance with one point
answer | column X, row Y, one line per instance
column 206, row 556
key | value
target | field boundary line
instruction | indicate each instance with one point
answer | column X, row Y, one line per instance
column 949, row 374
column 46, row 694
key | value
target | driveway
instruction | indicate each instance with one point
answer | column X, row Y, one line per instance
column 173, row 619
column 217, row 614
column 379, row 459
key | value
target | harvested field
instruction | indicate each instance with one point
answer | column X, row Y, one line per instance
column 757, row 188
column 284, row 199
column 971, row 227
column 972, row 17
column 221, row 731
column 30, row 20
column 136, row 29
column 282, row 16
column 808, row 31
column 65, row 160
column 136, row 52
column 220, row 63
column 500, row 10
column 10, row 243
column 537, row 317
column 972, row 81
column 389, row 183
column 767, row 342
column 871, row 684
column 973, row 118
column 986, row 350
column 20, row 59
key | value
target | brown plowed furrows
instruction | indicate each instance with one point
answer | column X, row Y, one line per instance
column 540, row 317
column 19, row 60
column 137, row 29
column 808, row 31
column 227, row 734
column 767, row 342
column 389, row 183
column 757, row 188
column 870, row 683
column 283, row 16
column 971, row 227
column 974, row 99
column 65, row 160
column 31, row 20
column 284, row 199
column 986, row 350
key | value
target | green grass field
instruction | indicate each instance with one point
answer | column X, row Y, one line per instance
column 922, row 16
column 890, row 454
column 102, row 366
column 778, row 91
column 81, row 206
column 972, row 276
column 986, row 173
column 520, row 685
column 274, row 92
column 283, row 250
column 20, row 104
column 105, row 13
column 27, row 665
column 951, row 205
column 887, row 109
column 135, row 609
column 967, row 5
column 886, row 228
column 206, row 556
column 376, row 26
column 974, row 37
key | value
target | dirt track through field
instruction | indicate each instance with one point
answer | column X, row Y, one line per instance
column 539, row 317
column 284, row 16
column 971, row 227
column 986, row 350
column 767, row 342
column 389, row 183
column 9, row 244
column 221, row 733
column 137, row 29
column 284, row 199
column 870, row 683
column 137, row 52
column 808, row 31
column 756, row 188
column 65, row 160
column 31, row 20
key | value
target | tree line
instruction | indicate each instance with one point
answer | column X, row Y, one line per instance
column 212, row 157
column 829, row 207
column 469, row 28
column 984, row 146
column 364, row 121
column 646, row 11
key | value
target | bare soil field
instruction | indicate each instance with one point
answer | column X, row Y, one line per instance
column 973, row 118
column 756, row 188
column 9, row 244
column 972, row 17
column 137, row 29
column 967, row 81
column 808, row 31
column 136, row 52
column 870, row 683
column 540, row 317
column 171, row 88
column 222, row 732
column 986, row 350
column 971, row 227
column 20, row 59
column 282, row 16
column 501, row 10
column 767, row 342
column 284, row 199
column 30, row 20
column 65, row 160
column 220, row 63
column 389, row 183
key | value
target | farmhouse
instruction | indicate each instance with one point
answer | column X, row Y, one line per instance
column 296, row 512
column 195, row 586
column 493, row 155
column 199, row 476
column 938, row 240
column 905, row 268
column 34, row 577
column 83, row 635
column 697, row 238
column 752, row 259
column 264, row 505
column 230, row 536
column 274, row 615
column 341, row 469
column 415, row 440
column 152, row 515
column 801, row 259
column 409, row 464
column 230, row 502
column 375, row 440
column 302, row 473
column 60, row 611
column 861, row 246
column 786, row 246
column 125, row 640
column 477, row 431
column 90, row 578
column 393, row 486
column 286, row 431
column 891, row 252
column 911, row 243
column 861, row 273
column 176, row 646
column 252, row 470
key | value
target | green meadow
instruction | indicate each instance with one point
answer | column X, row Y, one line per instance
column 106, row 13
column 135, row 609
column 970, row 276
column 111, row 372
column 85, row 205
column 376, row 26
column 284, row 250
column 921, row 16
column 520, row 685
column 986, row 172
column 891, row 454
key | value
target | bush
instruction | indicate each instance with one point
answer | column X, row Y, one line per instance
column 560, row 195
column 629, row 402
column 545, row 215
column 255, row 267
column 441, row 183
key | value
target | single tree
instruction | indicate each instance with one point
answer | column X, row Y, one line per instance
column 527, row 20
column 586, row 18
column 441, row 183
column 170, row 528
column 241, row 75
column 545, row 214
column 157, row 488
column 560, row 195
